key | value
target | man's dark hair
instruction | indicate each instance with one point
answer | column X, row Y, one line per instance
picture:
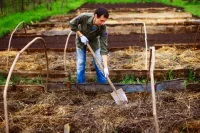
column 102, row 11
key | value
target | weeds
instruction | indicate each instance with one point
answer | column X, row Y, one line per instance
column 69, row 79
column 16, row 79
column 34, row 81
column 185, row 83
column 191, row 76
column 169, row 76
column 94, row 79
column 130, row 79
column 2, row 79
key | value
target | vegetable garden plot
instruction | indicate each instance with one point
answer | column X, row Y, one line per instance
column 31, row 110
column 132, row 58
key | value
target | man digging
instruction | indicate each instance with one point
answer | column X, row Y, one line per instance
column 90, row 28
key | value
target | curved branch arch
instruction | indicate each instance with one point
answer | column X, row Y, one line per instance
column 10, row 73
column 11, row 40
column 65, row 49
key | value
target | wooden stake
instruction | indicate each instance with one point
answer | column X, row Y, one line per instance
column 66, row 128
column 153, row 89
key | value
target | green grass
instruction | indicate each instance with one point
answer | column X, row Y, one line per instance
column 9, row 22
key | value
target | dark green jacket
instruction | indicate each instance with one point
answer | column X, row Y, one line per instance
column 97, row 36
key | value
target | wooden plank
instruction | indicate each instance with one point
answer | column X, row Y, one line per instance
column 177, row 45
column 193, row 87
column 115, row 74
column 176, row 84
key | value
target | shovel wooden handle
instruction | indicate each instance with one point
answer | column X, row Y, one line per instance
column 101, row 67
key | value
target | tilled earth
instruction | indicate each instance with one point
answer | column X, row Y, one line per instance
column 31, row 110
column 58, row 42
column 116, row 39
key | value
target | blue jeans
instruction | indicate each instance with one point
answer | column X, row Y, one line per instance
column 81, row 62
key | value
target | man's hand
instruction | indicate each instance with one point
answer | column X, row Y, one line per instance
column 106, row 73
column 84, row 39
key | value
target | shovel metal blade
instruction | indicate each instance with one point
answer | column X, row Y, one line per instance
column 119, row 96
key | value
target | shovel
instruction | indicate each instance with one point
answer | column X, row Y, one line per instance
column 118, row 95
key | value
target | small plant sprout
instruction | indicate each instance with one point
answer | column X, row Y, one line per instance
column 191, row 76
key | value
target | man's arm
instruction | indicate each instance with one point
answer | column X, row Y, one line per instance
column 84, row 39
column 74, row 27
column 105, row 60
column 75, row 22
column 79, row 33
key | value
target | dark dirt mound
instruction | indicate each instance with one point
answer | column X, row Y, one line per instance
column 128, row 5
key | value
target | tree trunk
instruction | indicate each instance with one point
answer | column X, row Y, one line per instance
column 13, row 4
column 49, row 4
column 1, row 6
column 34, row 7
column 22, row 5
column 27, row 3
column 40, row 2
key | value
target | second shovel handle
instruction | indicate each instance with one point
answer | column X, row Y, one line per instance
column 101, row 67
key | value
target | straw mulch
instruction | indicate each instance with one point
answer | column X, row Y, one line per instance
column 131, row 58
column 34, row 112
column 166, row 58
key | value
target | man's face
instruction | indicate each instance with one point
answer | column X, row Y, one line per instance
column 100, row 21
